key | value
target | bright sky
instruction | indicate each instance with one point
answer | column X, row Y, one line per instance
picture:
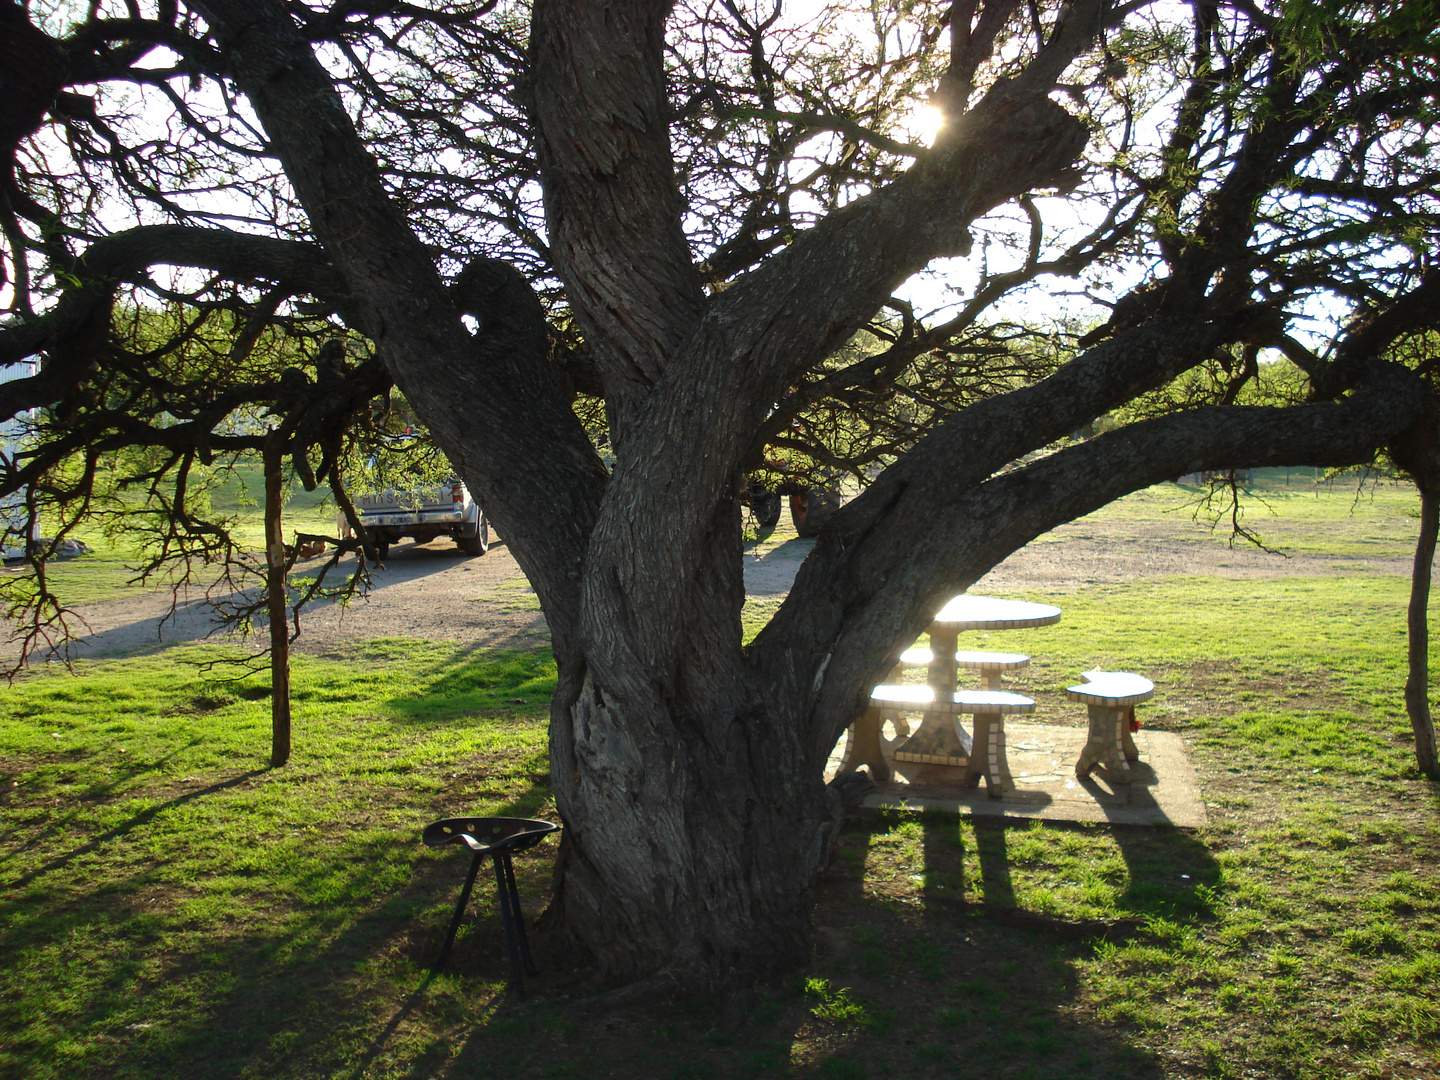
column 949, row 282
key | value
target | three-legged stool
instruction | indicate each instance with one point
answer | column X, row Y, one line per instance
column 498, row 837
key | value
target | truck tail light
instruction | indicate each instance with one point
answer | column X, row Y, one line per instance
column 456, row 494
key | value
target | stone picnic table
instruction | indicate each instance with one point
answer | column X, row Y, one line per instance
column 940, row 740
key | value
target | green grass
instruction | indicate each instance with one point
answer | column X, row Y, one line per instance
column 513, row 596
column 171, row 908
column 108, row 571
column 758, row 611
column 1295, row 935
column 242, row 490
column 166, row 899
column 1350, row 515
column 105, row 573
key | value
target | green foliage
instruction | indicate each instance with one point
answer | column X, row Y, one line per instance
column 1231, row 381
column 835, row 1003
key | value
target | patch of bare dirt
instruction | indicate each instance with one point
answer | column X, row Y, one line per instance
column 1089, row 553
column 427, row 591
column 431, row 591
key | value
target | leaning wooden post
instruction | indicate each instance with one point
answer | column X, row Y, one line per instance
column 274, row 459
column 1417, row 685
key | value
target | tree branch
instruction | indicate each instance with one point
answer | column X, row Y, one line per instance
column 73, row 333
column 491, row 401
column 611, row 200
column 965, row 534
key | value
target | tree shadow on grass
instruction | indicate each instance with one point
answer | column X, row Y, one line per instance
column 911, row 978
column 955, row 974
column 129, row 969
column 121, row 831
column 343, row 986
column 480, row 679
column 328, row 972
column 272, row 922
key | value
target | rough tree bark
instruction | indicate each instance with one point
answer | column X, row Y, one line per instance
column 694, row 808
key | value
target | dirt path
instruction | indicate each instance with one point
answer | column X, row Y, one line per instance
column 423, row 591
column 1088, row 553
column 431, row 592
column 1085, row 553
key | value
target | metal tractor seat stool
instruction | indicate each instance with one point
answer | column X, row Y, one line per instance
column 498, row 837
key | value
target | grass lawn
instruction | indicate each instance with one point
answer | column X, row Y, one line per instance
column 1295, row 511
column 108, row 572
column 171, row 908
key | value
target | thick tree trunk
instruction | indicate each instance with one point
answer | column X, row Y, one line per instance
column 687, row 769
column 1417, row 685
column 695, row 820
column 689, row 773
column 691, row 845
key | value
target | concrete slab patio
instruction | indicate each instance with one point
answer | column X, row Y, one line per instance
column 1163, row 789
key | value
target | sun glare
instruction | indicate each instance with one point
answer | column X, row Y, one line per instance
column 922, row 124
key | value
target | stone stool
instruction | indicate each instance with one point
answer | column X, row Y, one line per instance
column 1111, row 697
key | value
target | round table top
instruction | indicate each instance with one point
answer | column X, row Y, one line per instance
column 966, row 612
column 1112, row 688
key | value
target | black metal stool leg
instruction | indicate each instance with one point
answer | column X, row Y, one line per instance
column 496, row 837
column 459, row 910
column 509, row 918
column 530, row 968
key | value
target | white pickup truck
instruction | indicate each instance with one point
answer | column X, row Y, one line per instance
column 423, row 514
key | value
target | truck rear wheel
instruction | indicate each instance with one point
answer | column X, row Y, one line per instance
column 381, row 545
column 765, row 505
column 478, row 544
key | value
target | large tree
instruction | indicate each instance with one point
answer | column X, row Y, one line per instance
column 688, row 212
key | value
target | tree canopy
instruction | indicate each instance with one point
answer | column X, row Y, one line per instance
column 718, row 230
